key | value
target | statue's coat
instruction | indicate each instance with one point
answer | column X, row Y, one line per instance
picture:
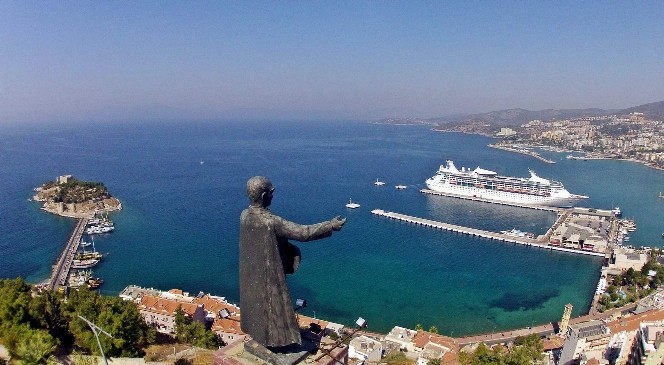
column 267, row 310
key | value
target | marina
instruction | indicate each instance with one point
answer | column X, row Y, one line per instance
column 72, row 258
column 65, row 261
column 479, row 233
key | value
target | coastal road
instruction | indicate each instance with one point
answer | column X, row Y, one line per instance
column 541, row 330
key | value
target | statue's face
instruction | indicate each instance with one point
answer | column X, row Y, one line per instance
column 267, row 196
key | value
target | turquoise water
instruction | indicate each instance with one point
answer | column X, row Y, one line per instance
column 179, row 227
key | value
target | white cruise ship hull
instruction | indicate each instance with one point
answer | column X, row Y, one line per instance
column 487, row 185
column 504, row 196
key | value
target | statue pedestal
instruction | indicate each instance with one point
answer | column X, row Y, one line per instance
column 284, row 356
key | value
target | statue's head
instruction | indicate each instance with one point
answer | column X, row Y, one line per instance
column 259, row 190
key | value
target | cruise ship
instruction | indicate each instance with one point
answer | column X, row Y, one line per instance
column 488, row 185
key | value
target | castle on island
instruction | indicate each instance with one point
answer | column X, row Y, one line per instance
column 69, row 197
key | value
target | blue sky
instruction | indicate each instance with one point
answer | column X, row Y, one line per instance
column 96, row 61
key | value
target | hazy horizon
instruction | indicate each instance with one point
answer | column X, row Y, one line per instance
column 128, row 61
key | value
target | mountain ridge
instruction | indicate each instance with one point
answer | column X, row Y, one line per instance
column 517, row 116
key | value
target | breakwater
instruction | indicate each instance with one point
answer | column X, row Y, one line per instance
column 479, row 233
column 523, row 151
column 61, row 268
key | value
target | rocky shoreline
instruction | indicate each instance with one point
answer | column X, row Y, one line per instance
column 87, row 208
column 82, row 210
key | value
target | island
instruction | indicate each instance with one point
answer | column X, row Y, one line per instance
column 69, row 197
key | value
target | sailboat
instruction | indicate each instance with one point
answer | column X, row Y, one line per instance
column 87, row 255
column 352, row 205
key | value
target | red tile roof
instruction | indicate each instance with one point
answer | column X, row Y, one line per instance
column 214, row 305
column 165, row 306
column 552, row 343
column 632, row 323
column 422, row 338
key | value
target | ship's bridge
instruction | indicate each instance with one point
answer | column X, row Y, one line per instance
column 483, row 172
column 536, row 179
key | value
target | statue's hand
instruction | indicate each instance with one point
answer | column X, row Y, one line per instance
column 337, row 223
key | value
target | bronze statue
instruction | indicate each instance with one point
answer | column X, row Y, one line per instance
column 266, row 257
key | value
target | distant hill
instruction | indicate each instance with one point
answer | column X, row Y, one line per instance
column 650, row 110
column 515, row 117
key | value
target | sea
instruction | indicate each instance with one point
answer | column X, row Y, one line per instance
column 182, row 186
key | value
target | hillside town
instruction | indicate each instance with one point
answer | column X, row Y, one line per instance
column 633, row 334
column 631, row 136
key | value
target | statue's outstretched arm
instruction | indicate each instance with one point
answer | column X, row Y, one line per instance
column 302, row 233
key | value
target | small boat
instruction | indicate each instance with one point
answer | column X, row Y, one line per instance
column 99, row 229
column 79, row 278
column 401, row 187
column 518, row 233
column 84, row 264
column 616, row 212
column 86, row 255
column 661, row 196
column 94, row 283
column 352, row 205
column 379, row 183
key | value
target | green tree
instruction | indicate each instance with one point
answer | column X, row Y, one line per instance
column 418, row 327
column 119, row 318
column 34, row 347
column 433, row 329
column 630, row 276
column 81, row 359
column 397, row 358
column 618, row 280
column 481, row 356
column 530, row 346
column 46, row 312
column 434, row 362
column 183, row 326
column 15, row 300
column 194, row 333
column 527, row 350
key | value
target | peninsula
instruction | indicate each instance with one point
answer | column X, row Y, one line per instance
column 69, row 197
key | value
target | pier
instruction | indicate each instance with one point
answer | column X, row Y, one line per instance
column 63, row 265
column 480, row 199
column 523, row 151
column 479, row 233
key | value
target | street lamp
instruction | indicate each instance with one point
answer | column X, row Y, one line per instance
column 300, row 303
column 360, row 322
column 96, row 329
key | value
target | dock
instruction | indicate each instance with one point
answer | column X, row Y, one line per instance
column 523, row 151
column 480, row 199
column 479, row 233
column 61, row 269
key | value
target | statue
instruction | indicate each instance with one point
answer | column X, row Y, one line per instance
column 266, row 257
